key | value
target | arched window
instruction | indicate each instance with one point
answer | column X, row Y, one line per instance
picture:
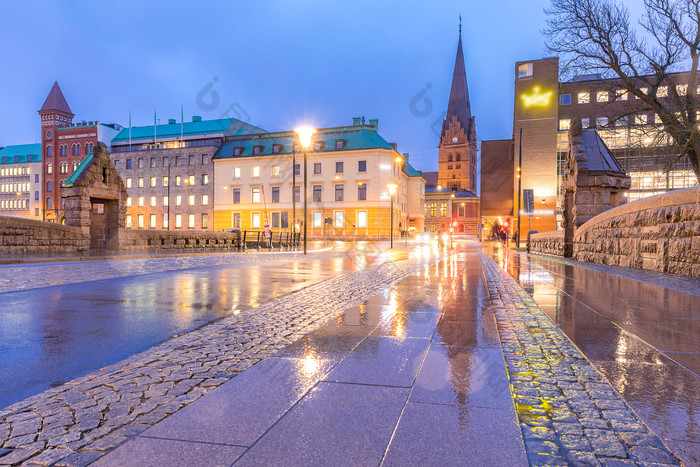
column 49, row 153
column 449, row 158
column 49, row 203
column 49, row 168
column 64, row 150
column 458, row 158
column 48, row 185
column 75, row 165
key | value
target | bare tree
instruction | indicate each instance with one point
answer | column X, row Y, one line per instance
column 595, row 36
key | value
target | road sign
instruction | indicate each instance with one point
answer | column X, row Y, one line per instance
column 529, row 201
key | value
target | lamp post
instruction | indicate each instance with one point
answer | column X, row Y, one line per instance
column 392, row 190
column 305, row 134
column 294, row 191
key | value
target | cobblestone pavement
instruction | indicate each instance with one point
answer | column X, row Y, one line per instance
column 568, row 413
column 32, row 276
column 78, row 422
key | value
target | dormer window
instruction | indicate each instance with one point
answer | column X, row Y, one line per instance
column 296, row 147
column 257, row 149
column 237, row 151
column 319, row 145
column 277, row 148
column 340, row 144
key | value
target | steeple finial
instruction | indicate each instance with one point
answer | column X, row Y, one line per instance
column 460, row 25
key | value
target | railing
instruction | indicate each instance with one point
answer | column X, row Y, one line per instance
column 256, row 239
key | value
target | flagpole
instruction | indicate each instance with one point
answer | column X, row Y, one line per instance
column 154, row 131
column 129, row 129
column 182, row 123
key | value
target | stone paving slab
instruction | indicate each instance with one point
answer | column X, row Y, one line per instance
column 89, row 416
column 568, row 413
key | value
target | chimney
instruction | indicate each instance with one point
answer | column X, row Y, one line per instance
column 196, row 118
column 356, row 121
column 171, row 121
column 374, row 123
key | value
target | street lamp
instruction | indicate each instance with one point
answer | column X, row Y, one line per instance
column 305, row 134
column 392, row 190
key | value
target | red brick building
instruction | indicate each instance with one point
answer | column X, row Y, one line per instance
column 64, row 145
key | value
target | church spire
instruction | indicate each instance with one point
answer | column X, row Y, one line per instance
column 56, row 101
column 458, row 105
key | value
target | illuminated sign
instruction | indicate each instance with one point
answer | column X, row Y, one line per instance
column 537, row 97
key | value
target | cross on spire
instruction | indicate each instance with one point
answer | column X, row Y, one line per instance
column 460, row 25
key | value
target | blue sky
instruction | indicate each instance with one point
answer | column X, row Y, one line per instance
column 273, row 63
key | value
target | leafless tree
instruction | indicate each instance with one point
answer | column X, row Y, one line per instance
column 596, row 36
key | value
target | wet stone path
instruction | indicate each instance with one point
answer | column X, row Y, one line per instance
column 76, row 423
column 568, row 413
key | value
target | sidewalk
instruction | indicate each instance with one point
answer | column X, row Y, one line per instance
column 455, row 365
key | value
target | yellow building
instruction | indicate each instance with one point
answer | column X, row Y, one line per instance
column 350, row 170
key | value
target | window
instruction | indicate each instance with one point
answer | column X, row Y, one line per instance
column 165, row 220
column 76, row 149
column 255, row 220
column 153, row 182
column 362, row 166
column 622, row 121
column 36, row 211
column 190, row 200
column 284, row 220
column 682, row 89
column 275, row 170
column 585, row 123
column 449, row 158
column 128, row 221
column 64, row 150
column 178, row 221
column 318, row 219
column 275, row 194
column 36, row 195
column 297, row 193
column 49, row 168
column 236, row 195
column 236, row 172
column 565, row 99
column 339, row 167
column 297, row 169
column 205, row 221
column 48, row 185
column 128, row 202
column 140, row 163
column 166, row 163
column 564, row 124
column 48, row 151
column 339, row 219
column 340, row 144
column 178, row 200
column 166, row 200
column 317, row 168
column 339, row 192
column 449, row 166
column 140, row 201
column 362, row 191
column 205, row 159
column 178, row 180
column 152, row 223
column 643, row 91
column 621, row 95
column 166, row 181
column 237, row 151
column 458, row 157
column 49, row 203
column 276, row 148
column 205, row 179
column 257, row 149
column 433, row 209
column 190, row 180
column 140, row 221
column 362, row 219
column 317, row 193
column 319, row 145
column 601, row 121
column 662, row 91
column 153, row 162
column 36, row 178
column 153, row 201
column 205, row 200
column 178, row 161
column 191, row 159
column 116, row 165
column 190, row 219
column 139, row 182
column 256, row 194
column 236, row 220
column 256, row 171
column 602, row 96
column 275, row 220
column 640, row 119
column 128, row 163
column 524, row 70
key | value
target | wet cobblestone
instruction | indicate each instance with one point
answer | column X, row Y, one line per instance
column 78, row 422
column 568, row 413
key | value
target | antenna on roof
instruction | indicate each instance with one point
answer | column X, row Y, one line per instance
column 460, row 25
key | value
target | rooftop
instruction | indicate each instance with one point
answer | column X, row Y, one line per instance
column 20, row 153
column 197, row 127
column 56, row 101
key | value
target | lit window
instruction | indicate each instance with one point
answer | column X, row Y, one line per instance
column 190, row 180
column 602, row 96
column 256, row 171
column 564, row 124
column 152, row 223
column 255, row 220
column 525, row 70
column 236, row 172
column 190, row 221
column 190, row 200
column 140, row 163
column 205, row 179
column 140, row 203
column 205, row 221
column 662, row 91
column 339, row 219
column 153, row 182
column 49, row 168
column 275, row 170
column 318, row 219
column 128, row 183
column 153, row 200
column 140, row 220
column 643, row 91
column 128, row 201
column 166, row 201
column 585, row 123
column 584, row 97
column 178, row 200
column 682, row 89
column 165, row 220
column 205, row 200
column 128, row 221
column 621, row 95
column 166, row 181
column 256, row 194
column 178, row 221
column 640, row 119
column 178, row 180
column 566, row 99
column 140, row 182
column 362, row 219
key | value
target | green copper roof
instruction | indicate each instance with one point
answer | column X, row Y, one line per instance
column 355, row 137
column 172, row 130
column 410, row 171
column 20, row 154
column 69, row 182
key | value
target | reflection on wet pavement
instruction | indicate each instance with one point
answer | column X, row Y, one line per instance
column 641, row 336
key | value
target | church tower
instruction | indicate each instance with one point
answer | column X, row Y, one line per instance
column 457, row 151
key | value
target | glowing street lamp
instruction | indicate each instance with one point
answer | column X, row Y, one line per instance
column 392, row 190
column 305, row 133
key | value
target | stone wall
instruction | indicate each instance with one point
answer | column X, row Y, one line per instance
column 660, row 233
column 27, row 237
column 547, row 243
column 164, row 240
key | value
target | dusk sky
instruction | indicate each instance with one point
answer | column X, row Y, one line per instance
column 275, row 64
